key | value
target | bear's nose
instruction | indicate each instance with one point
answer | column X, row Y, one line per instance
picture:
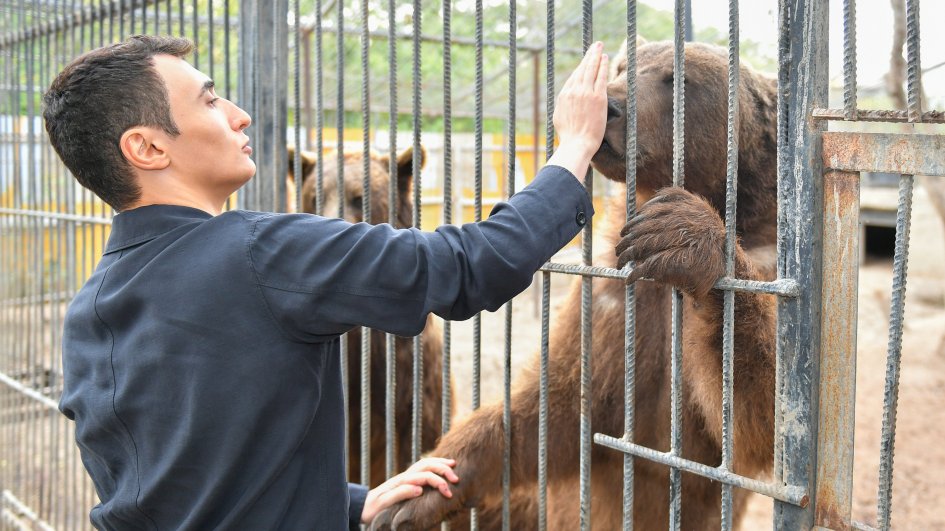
column 614, row 109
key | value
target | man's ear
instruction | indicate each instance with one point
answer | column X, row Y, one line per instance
column 143, row 148
column 308, row 161
column 405, row 167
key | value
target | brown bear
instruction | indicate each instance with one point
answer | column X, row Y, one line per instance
column 676, row 239
column 431, row 338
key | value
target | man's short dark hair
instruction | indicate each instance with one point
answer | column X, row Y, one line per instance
column 98, row 97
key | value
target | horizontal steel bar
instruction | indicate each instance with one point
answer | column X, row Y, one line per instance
column 31, row 393
column 85, row 14
column 784, row 287
column 462, row 41
column 793, row 494
column 885, row 152
column 55, row 215
column 858, row 526
column 871, row 115
column 20, row 510
column 29, row 300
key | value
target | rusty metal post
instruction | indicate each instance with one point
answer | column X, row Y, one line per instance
column 838, row 349
column 802, row 87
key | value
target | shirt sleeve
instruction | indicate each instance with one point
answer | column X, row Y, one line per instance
column 357, row 495
column 321, row 277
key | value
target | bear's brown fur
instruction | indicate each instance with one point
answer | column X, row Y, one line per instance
column 431, row 338
column 676, row 239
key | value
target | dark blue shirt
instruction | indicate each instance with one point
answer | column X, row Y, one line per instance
column 202, row 357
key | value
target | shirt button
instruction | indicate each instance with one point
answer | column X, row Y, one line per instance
column 581, row 219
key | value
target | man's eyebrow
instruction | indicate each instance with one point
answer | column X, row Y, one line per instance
column 208, row 84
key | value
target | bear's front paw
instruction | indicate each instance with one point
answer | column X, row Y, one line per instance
column 676, row 238
column 423, row 512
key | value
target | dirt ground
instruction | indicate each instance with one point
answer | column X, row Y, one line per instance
column 919, row 473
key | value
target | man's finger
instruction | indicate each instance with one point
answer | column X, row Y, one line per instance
column 600, row 84
column 592, row 60
column 399, row 494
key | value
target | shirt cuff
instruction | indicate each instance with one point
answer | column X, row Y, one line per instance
column 357, row 494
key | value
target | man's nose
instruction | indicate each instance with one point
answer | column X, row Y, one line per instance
column 240, row 119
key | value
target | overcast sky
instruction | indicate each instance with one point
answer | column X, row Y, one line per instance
column 758, row 21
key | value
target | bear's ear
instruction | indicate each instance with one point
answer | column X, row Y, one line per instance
column 405, row 167
column 308, row 163
column 618, row 61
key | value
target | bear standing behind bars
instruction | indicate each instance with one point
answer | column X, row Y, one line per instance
column 677, row 239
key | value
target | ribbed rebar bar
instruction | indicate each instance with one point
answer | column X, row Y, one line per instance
column 630, row 358
column 894, row 350
column 366, row 210
column 849, row 59
column 913, row 63
column 679, row 112
column 447, row 193
column 728, row 321
column 507, row 361
column 390, row 399
column 417, row 187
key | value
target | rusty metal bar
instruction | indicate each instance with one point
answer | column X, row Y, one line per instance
column 792, row 494
column 838, row 349
column 802, row 87
column 910, row 154
column 871, row 115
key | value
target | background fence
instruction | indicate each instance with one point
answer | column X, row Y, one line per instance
column 333, row 77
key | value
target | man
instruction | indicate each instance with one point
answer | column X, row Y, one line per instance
column 201, row 358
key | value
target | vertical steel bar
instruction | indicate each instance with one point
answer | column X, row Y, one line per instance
column 195, row 34
column 477, row 170
column 630, row 293
column 834, row 483
column 319, row 113
column 447, row 191
column 366, row 191
column 507, row 364
column 802, row 86
column 731, row 193
column 546, row 280
column 849, row 59
column 543, row 402
column 894, row 351
column 210, row 32
column 679, row 110
column 390, row 399
column 296, row 94
column 586, row 324
column 417, row 187
column 913, row 63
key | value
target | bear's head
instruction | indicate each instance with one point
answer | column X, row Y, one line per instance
column 380, row 178
column 706, row 111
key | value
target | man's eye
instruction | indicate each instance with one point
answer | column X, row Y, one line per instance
column 213, row 101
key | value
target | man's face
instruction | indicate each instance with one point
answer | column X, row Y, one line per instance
column 211, row 151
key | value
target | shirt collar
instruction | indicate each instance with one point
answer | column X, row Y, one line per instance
column 139, row 225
